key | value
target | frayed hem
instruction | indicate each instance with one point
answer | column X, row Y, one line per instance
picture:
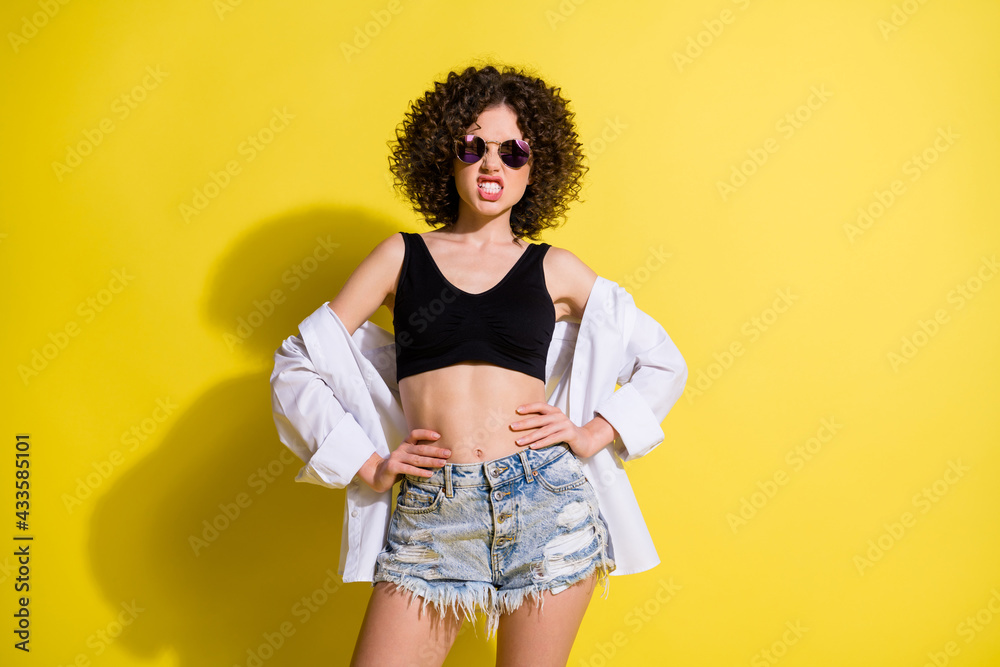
column 510, row 600
column 607, row 564
column 480, row 597
column 483, row 598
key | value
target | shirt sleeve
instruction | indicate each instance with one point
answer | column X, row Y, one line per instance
column 652, row 379
column 312, row 422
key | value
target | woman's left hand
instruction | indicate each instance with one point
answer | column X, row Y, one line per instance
column 551, row 426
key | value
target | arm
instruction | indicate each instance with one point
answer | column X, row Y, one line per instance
column 601, row 432
column 653, row 374
column 313, row 424
column 310, row 419
column 652, row 380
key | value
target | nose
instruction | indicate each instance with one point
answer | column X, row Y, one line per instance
column 491, row 160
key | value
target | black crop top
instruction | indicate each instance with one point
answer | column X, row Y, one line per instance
column 437, row 324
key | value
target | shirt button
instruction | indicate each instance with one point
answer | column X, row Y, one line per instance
column 354, row 512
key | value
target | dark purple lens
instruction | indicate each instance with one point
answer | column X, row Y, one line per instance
column 515, row 153
column 470, row 149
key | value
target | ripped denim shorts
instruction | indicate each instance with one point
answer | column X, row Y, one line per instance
column 483, row 536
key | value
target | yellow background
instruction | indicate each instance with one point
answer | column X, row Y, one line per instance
column 661, row 134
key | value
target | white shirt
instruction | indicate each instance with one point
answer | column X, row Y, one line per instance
column 336, row 401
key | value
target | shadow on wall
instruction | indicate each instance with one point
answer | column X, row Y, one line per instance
column 228, row 559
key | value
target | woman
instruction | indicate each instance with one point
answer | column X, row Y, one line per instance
column 498, row 502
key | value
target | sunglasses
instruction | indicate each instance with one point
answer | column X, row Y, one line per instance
column 514, row 152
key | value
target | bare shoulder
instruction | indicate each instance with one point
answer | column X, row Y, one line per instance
column 569, row 280
column 389, row 251
column 371, row 285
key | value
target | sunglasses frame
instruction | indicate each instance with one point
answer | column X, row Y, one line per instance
column 460, row 142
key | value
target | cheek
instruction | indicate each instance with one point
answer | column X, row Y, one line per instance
column 462, row 178
column 525, row 180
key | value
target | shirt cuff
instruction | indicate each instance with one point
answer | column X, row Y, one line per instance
column 339, row 458
column 638, row 428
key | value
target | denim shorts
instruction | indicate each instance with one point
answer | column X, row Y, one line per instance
column 480, row 537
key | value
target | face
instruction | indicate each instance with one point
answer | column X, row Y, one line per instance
column 489, row 188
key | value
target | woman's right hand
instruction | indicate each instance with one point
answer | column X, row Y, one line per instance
column 410, row 458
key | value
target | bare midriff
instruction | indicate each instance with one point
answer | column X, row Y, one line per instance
column 472, row 405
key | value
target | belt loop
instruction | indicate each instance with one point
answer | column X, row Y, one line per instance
column 528, row 473
column 447, row 480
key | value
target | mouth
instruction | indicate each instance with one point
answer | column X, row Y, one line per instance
column 490, row 189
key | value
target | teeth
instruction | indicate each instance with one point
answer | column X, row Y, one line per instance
column 490, row 187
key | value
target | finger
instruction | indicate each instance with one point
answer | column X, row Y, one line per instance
column 540, row 439
column 546, row 442
column 431, row 450
column 528, row 422
column 540, row 421
column 424, row 434
column 525, row 440
column 420, row 472
column 426, row 461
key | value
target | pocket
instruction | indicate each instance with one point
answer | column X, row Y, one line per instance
column 563, row 474
column 417, row 498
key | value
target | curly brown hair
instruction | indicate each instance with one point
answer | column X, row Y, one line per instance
column 423, row 152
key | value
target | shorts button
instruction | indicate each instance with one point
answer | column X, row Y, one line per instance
column 498, row 495
column 494, row 472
